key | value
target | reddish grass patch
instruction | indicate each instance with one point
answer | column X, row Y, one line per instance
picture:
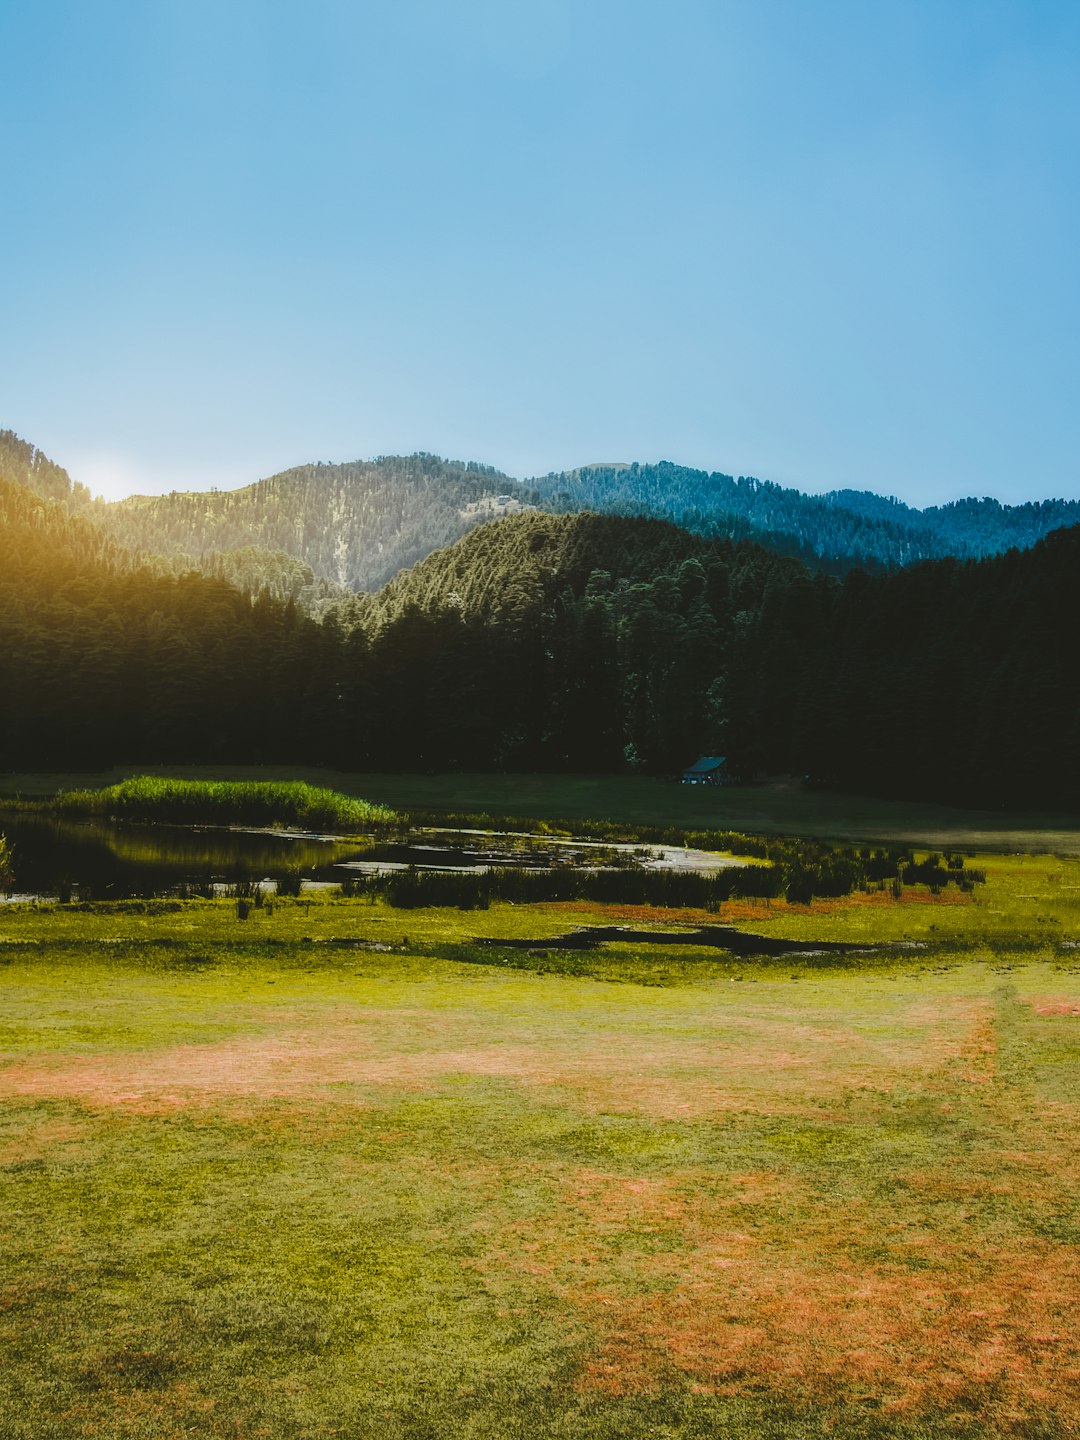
column 1047, row 1005
column 727, row 1054
column 755, row 1281
column 944, row 1293
column 730, row 911
column 731, row 1056
column 995, row 1326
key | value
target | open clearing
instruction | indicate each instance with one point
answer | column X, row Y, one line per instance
column 256, row 1183
column 784, row 809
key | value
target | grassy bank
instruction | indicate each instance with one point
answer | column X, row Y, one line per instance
column 334, row 1169
column 634, row 800
column 226, row 802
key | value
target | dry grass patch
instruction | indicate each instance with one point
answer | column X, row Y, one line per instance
column 712, row 1054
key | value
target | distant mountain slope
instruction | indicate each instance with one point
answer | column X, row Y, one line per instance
column 359, row 524
column 314, row 531
column 355, row 524
column 75, row 518
column 272, row 573
column 841, row 528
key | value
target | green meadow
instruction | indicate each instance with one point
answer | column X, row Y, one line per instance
column 339, row 1169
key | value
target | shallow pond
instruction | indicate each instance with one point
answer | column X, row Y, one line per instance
column 99, row 859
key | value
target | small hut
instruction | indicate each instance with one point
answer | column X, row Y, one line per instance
column 709, row 770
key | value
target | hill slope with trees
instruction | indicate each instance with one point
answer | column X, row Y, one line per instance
column 23, row 464
column 355, row 525
column 560, row 642
column 588, row 642
column 101, row 657
column 836, row 531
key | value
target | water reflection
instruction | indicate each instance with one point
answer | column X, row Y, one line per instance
column 100, row 859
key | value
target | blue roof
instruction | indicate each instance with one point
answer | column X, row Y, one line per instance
column 705, row 764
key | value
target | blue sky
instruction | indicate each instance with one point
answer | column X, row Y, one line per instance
column 826, row 243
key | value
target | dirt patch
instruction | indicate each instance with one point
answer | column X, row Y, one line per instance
column 266, row 1066
column 978, row 1054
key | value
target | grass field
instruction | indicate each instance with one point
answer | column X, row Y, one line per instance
column 257, row 1180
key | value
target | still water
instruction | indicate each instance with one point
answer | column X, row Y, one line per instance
column 102, row 859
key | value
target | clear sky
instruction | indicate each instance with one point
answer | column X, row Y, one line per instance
column 826, row 242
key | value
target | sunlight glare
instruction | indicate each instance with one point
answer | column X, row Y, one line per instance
column 112, row 477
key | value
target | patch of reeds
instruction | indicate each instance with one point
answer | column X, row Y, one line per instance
column 798, row 872
column 226, row 802
column 417, row 889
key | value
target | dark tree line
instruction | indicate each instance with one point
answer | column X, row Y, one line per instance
column 553, row 642
column 597, row 643
column 101, row 659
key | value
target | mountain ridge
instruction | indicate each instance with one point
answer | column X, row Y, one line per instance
column 356, row 524
column 836, row 527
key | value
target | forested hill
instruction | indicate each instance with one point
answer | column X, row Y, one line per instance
column 572, row 642
column 839, row 529
column 311, row 531
column 603, row 643
column 517, row 565
column 355, row 525
column 22, row 464
column 101, row 657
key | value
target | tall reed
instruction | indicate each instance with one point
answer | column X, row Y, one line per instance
column 227, row 802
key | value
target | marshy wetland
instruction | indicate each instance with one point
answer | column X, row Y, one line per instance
column 102, row 858
column 328, row 1165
